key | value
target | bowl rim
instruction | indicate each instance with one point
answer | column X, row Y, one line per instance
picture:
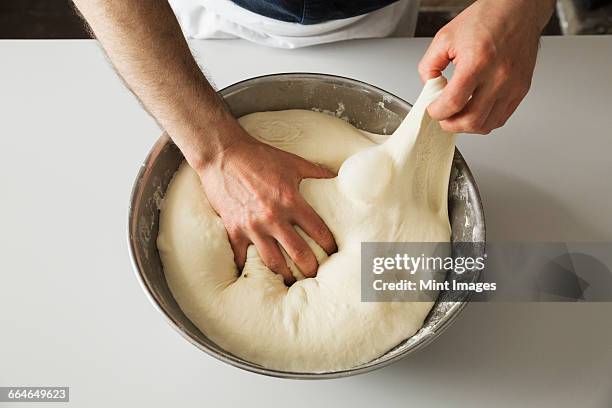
column 229, row 358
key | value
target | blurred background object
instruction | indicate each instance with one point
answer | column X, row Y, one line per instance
column 40, row 19
column 56, row 19
column 434, row 14
column 585, row 16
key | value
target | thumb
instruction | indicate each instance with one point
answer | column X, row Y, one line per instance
column 312, row 170
column 436, row 58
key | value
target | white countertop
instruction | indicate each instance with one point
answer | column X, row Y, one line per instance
column 72, row 313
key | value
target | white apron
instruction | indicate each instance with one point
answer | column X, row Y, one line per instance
column 219, row 19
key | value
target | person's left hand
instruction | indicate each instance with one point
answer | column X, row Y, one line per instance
column 493, row 45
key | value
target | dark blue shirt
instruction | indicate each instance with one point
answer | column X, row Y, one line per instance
column 311, row 11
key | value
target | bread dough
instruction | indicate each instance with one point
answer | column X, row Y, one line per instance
column 392, row 192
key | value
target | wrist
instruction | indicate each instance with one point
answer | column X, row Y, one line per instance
column 209, row 141
column 203, row 128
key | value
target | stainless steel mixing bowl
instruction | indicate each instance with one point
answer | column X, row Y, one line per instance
column 366, row 107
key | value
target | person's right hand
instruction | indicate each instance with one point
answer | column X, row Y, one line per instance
column 254, row 188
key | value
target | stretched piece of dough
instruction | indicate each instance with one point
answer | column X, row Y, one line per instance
column 392, row 192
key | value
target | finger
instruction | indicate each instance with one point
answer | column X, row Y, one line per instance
column 298, row 250
column 239, row 243
column 312, row 224
column 456, row 94
column 436, row 58
column 474, row 116
column 270, row 254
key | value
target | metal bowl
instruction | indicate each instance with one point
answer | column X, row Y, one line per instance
column 365, row 106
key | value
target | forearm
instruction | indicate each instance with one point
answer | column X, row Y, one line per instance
column 145, row 44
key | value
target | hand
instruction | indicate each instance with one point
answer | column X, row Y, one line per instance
column 493, row 45
column 255, row 190
column 252, row 186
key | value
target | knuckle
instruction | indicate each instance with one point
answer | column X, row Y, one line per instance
column 504, row 72
column 268, row 216
column 423, row 67
column 442, row 36
column 486, row 49
column 290, row 199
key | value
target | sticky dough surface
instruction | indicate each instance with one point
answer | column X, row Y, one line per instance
column 395, row 191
